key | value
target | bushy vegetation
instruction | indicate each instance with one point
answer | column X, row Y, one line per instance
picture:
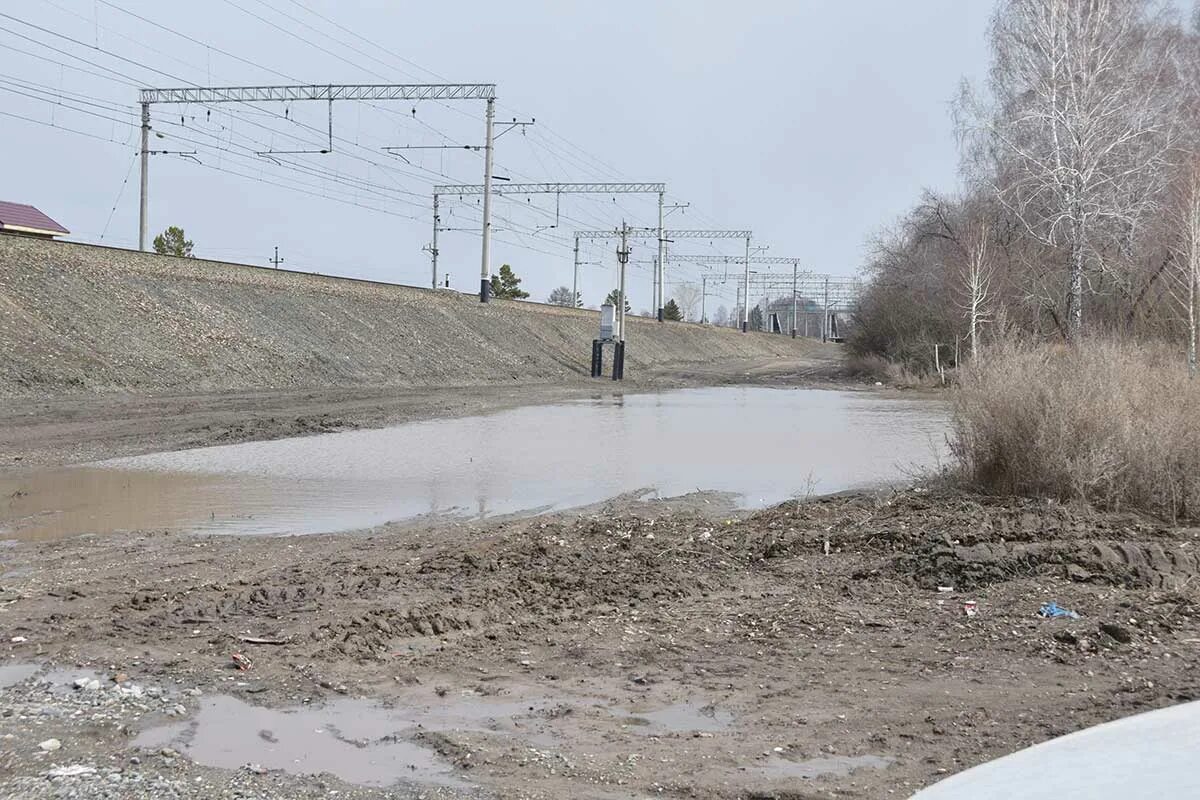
column 1106, row 422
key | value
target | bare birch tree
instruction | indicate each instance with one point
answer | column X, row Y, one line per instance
column 1080, row 128
column 976, row 275
column 1184, row 283
column 687, row 295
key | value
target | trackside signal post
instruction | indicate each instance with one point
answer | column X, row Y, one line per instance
column 607, row 337
column 612, row 321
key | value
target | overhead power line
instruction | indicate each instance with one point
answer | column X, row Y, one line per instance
column 224, row 141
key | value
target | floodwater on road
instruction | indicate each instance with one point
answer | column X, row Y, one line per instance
column 763, row 445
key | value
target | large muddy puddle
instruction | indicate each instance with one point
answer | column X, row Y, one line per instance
column 761, row 445
column 370, row 744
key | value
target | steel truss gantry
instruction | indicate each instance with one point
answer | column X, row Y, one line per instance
column 840, row 292
column 330, row 92
column 466, row 190
column 555, row 188
column 723, row 259
column 645, row 233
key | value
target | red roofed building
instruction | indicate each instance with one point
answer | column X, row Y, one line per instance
column 27, row 221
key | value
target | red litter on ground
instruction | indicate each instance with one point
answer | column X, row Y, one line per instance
column 970, row 608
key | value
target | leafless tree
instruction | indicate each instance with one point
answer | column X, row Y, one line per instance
column 687, row 296
column 1080, row 127
column 562, row 297
column 1184, row 277
column 721, row 317
column 976, row 275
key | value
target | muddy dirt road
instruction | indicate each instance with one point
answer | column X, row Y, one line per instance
column 632, row 650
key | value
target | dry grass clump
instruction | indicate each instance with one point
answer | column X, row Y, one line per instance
column 873, row 367
column 1111, row 423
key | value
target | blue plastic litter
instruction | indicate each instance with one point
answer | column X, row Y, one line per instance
column 1053, row 610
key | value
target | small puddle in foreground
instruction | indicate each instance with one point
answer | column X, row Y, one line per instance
column 681, row 718
column 821, row 767
column 13, row 673
column 351, row 739
column 761, row 445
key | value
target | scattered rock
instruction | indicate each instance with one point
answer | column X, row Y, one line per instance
column 50, row 745
column 1116, row 632
column 1066, row 636
column 1078, row 573
column 72, row 771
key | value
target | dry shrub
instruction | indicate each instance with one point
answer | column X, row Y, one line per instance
column 1114, row 424
column 872, row 367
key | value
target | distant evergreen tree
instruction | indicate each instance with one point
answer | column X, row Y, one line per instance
column 671, row 311
column 614, row 297
column 172, row 242
column 506, row 285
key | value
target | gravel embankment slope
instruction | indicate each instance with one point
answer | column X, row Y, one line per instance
column 85, row 319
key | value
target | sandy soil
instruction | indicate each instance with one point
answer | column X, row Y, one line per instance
column 632, row 650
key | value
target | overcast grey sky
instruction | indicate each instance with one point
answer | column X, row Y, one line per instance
column 813, row 123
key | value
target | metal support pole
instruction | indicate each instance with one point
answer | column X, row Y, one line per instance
column 143, row 213
column 659, row 272
column 703, row 297
column 825, row 315
column 575, row 280
column 433, row 250
column 654, row 269
column 485, row 269
column 795, row 273
column 623, row 258
column 746, row 290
